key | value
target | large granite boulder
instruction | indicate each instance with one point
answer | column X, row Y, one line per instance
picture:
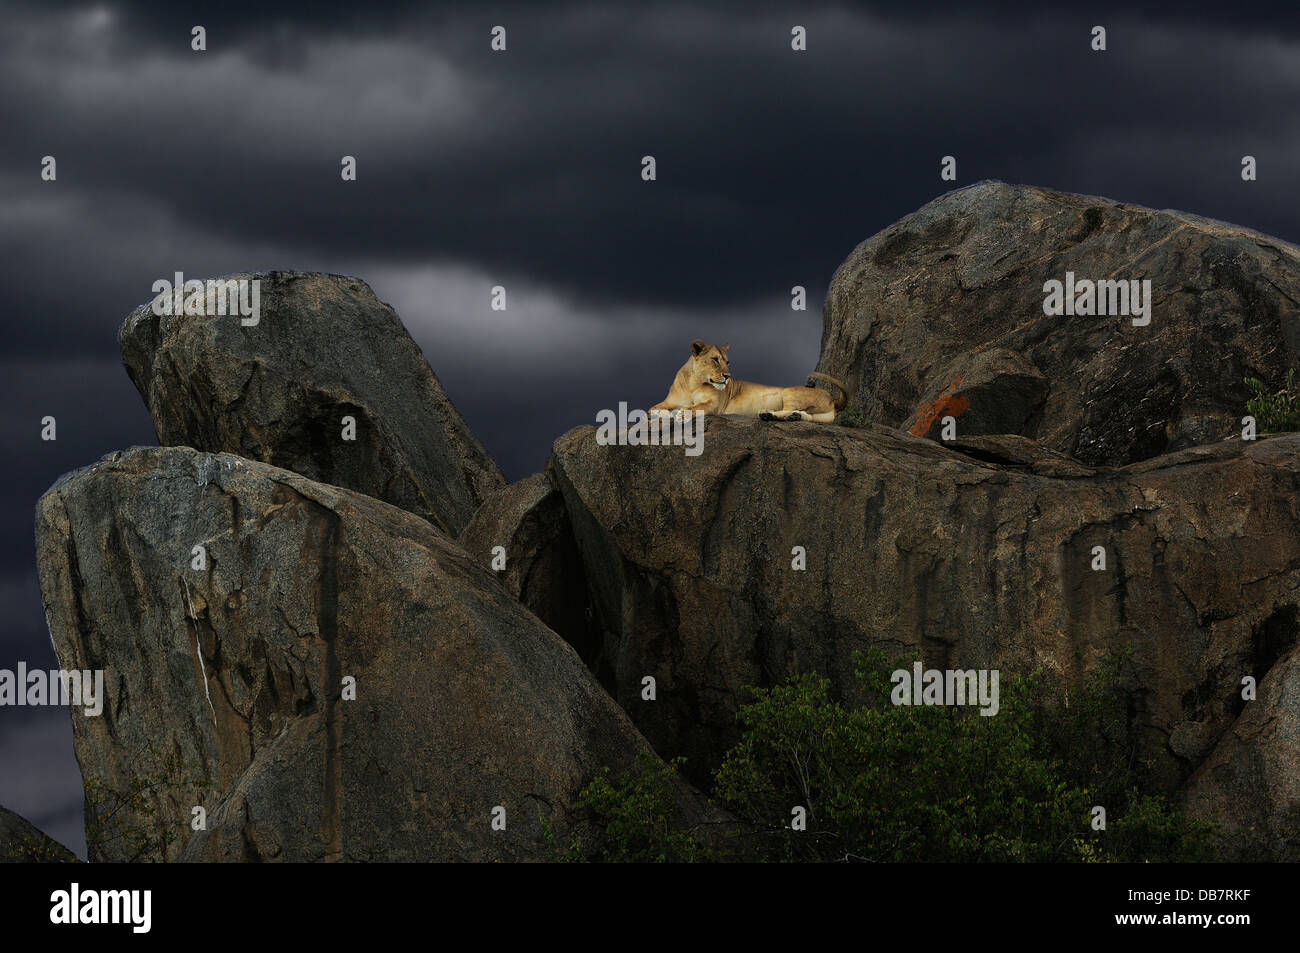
column 978, row 557
column 942, row 313
column 324, row 348
column 335, row 680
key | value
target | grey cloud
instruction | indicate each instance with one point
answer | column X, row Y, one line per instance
column 767, row 160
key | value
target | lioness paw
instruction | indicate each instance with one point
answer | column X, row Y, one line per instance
column 767, row 416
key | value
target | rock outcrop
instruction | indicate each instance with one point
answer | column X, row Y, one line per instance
column 942, row 314
column 1249, row 786
column 21, row 842
column 332, row 677
column 324, row 348
column 974, row 559
column 543, row 569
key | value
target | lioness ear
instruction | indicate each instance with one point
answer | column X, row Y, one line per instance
column 726, row 348
column 697, row 346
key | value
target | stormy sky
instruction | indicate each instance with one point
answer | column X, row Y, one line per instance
column 522, row 169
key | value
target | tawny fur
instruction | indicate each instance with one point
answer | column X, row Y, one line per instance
column 704, row 383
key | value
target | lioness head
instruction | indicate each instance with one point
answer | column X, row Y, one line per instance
column 709, row 364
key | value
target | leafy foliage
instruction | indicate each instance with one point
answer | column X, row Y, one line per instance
column 635, row 814
column 131, row 818
column 905, row 783
column 35, row 849
column 1278, row 411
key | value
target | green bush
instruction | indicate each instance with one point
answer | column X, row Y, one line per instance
column 1276, row 412
column 888, row 783
column 908, row 783
column 634, row 813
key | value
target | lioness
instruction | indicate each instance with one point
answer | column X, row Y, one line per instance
column 705, row 383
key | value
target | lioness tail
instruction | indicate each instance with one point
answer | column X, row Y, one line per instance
column 841, row 401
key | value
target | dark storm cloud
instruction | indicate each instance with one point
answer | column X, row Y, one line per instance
column 159, row 19
column 770, row 164
column 522, row 169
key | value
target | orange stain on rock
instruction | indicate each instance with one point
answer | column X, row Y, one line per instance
column 946, row 404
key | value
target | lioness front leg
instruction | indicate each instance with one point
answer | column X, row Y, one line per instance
column 703, row 407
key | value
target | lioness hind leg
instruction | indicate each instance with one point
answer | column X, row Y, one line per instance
column 810, row 400
column 804, row 403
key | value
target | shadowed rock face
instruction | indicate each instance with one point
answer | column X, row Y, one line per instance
column 1250, row 784
column 20, row 842
column 325, row 348
column 976, row 559
column 924, row 319
column 464, row 701
column 543, row 569
column 991, row 392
